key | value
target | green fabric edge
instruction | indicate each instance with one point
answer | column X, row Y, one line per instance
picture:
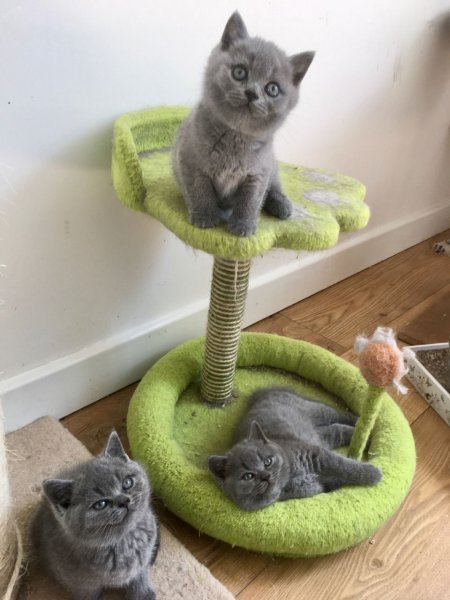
column 315, row 526
column 135, row 132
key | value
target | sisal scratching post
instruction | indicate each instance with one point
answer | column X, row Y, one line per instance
column 10, row 542
column 228, row 293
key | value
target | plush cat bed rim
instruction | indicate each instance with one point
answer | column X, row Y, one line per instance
column 315, row 526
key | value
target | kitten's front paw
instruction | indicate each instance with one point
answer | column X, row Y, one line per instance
column 242, row 228
column 372, row 474
column 278, row 205
column 204, row 220
column 442, row 247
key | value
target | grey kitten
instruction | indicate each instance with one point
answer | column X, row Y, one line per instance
column 94, row 528
column 283, row 450
column 223, row 157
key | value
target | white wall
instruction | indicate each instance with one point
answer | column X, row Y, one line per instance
column 92, row 292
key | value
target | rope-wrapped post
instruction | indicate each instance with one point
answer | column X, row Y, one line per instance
column 226, row 308
column 10, row 542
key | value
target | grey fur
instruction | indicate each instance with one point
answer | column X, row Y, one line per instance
column 298, row 436
column 89, row 550
column 223, row 156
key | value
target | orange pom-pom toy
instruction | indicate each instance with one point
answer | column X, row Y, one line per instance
column 381, row 364
column 381, row 360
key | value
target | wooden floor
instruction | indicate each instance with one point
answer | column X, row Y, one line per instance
column 408, row 558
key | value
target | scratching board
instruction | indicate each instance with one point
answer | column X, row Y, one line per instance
column 431, row 326
column 39, row 451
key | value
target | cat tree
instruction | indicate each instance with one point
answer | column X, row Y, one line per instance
column 187, row 405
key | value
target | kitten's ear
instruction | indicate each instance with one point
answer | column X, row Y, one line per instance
column 59, row 492
column 300, row 64
column 217, row 465
column 234, row 30
column 256, row 433
column 114, row 448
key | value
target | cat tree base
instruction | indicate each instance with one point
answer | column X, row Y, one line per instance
column 172, row 431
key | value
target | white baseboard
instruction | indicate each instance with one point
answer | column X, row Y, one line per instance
column 67, row 384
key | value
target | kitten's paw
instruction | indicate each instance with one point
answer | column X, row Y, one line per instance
column 242, row 228
column 442, row 247
column 278, row 205
column 372, row 474
column 204, row 220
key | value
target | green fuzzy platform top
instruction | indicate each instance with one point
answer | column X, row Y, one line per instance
column 324, row 202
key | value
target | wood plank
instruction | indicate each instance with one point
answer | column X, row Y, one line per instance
column 281, row 325
column 427, row 323
column 416, row 310
column 93, row 424
column 376, row 296
column 430, row 327
column 399, row 562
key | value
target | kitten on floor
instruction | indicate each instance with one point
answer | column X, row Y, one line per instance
column 94, row 528
column 223, row 157
column 283, row 450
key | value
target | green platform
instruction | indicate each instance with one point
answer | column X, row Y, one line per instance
column 324, row 203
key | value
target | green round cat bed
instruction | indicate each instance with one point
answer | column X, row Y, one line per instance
column 172, row 432
column 187, row 405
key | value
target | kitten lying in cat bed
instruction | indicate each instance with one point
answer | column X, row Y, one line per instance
column 172, row 433
column 323, row 203
column 284, row 449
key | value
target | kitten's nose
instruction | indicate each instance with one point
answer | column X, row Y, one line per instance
column 123, row 501
column 251, row 95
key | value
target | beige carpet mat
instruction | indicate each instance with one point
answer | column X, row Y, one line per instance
column 37, row 452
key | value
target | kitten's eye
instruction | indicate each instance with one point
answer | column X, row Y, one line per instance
column 100, row 504
column 127, row 483
column 272, row 89
column 247, row 476
column 239, row 73
column 268, row 461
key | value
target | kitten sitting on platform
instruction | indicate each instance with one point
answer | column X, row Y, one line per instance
column 94, row 528
column 223, row 156
column 283, row 450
